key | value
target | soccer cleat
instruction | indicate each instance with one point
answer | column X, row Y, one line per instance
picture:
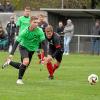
column 10, row 48
column 6, row 64
column 41, row 68
column 67, row 54
column 64, row 53
column 19, row 82
column 41, row 62
column 51, row 77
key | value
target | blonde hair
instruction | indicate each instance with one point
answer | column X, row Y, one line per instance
column 33, row 18
column 27, row 8
column 49, row 27
column 41, row 15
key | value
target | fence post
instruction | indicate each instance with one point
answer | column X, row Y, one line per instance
column 78, row 44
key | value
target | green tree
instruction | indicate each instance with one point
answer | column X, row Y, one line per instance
column 36, row 4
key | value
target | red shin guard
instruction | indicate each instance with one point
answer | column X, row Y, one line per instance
column 39, row 56
column 55, row 67
column 42, row 56
column 50, row 68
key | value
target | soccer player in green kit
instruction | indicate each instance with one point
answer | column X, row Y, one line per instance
column 28, row 40
column 23, row 21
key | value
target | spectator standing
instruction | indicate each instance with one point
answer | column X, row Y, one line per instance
column 68, row 33
column 11, row 31
column 96, row 40
column 3, row 39
column 60, row 31
column 1, row 7
column 94, row 3
column 8, row 6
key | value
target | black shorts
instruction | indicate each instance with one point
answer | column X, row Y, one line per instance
column 25, row 53
column 58, row 55
column 39, row 46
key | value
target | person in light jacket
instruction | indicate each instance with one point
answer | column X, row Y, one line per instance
column 68, row 33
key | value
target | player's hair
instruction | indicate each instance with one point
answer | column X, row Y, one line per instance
column 60, row 22
column 49, row 27
column 41, row 15
column 7, row 0
column 27, row 8
column 98, row 21
column 33, row 18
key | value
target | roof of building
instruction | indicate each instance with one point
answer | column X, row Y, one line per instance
column 74, row 12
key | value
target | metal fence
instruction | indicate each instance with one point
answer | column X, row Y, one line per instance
column 4, row 18
column 84, row 43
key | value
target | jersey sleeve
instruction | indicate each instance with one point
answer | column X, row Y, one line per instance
column 18, row 23
column 42, row 36
column 23, row 34
column 57, row 41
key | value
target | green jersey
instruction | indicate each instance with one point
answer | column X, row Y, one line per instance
column 31, row 39
column 23, row 22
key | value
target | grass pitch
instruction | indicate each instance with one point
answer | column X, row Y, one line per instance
column 70, row 81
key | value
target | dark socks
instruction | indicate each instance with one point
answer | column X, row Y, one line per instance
column 15, row 64
column 19, row 66
column 22, row 69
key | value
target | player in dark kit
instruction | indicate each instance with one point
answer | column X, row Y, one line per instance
column 42, row 24
column 54, row 49
column 28, row 40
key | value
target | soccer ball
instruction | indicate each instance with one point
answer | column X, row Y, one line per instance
column 93, row 79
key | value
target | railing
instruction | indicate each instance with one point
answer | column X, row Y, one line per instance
column 78, row 38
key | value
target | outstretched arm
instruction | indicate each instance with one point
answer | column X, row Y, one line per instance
column 44, row 47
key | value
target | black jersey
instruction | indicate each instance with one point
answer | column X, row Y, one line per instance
column 55, row 47
column 54, row 43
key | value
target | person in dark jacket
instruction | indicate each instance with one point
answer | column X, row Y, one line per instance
column 60, row 31
column 94, row 3
column 3, row 39
column 1, row 7
column 60, row 28
column 8, row 6
column 11, row 31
